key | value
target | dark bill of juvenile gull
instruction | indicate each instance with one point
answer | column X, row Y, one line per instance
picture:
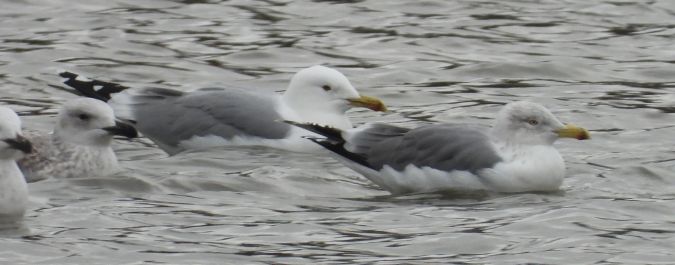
column 79, row 146
column 515, row 155
column 13, row 188
column 178, row 121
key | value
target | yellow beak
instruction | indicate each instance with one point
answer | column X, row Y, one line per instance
column 368, row 102
column 572, row 131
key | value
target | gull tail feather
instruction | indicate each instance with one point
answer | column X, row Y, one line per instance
column 89, row 88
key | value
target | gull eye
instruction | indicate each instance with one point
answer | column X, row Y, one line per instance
column 83, row 117
column 533, row 122
column 326, row 87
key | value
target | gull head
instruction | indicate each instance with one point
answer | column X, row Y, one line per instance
column 322, row 91
column 525, row 122
column 12, row 145
column 87, row 121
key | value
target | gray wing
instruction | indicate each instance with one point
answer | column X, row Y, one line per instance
column 443, row 147
column 375, row 133
column 170, row 116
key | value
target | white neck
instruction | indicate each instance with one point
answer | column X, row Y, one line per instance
column 515, row 138
column 330, row 113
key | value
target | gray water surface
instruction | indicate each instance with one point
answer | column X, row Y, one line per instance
column 604, row 65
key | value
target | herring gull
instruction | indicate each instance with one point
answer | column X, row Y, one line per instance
column 13, row 146
column 515, row 155
column 79, row 146
column 177, row 121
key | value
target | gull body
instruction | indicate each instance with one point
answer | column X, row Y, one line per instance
column 177, row 121
column 515, row 155
column 80, row 144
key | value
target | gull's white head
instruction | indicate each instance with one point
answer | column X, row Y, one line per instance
column 12, row 145
column 529, row 123
column 87, row 121
column 322, row 95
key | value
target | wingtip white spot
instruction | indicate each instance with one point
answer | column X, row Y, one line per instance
column 82, row 78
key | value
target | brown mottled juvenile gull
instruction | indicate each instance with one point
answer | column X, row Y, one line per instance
column 178, row 121
column 79, row 146
column 13, row 189
column 515, row 155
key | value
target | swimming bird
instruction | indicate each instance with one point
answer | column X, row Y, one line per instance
column 79, row 145
column 13, row 146
column 515, row 155
column 177, row 121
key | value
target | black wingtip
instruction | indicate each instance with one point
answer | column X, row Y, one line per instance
column 67, row 75
column 20, row 143
column 88, row 88
column 333, row 141
column 339, row 149
column 332, row 133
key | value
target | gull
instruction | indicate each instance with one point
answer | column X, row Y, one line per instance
column 177, row 121
column 79, row 145
column 13, row 146
column 515, row 155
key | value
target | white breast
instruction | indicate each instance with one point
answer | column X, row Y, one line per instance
column 530, row 168
column 13, row 192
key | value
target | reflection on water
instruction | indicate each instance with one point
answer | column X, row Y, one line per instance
column 606, row 65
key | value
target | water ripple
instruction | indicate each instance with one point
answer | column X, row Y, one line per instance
column 605, row 65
